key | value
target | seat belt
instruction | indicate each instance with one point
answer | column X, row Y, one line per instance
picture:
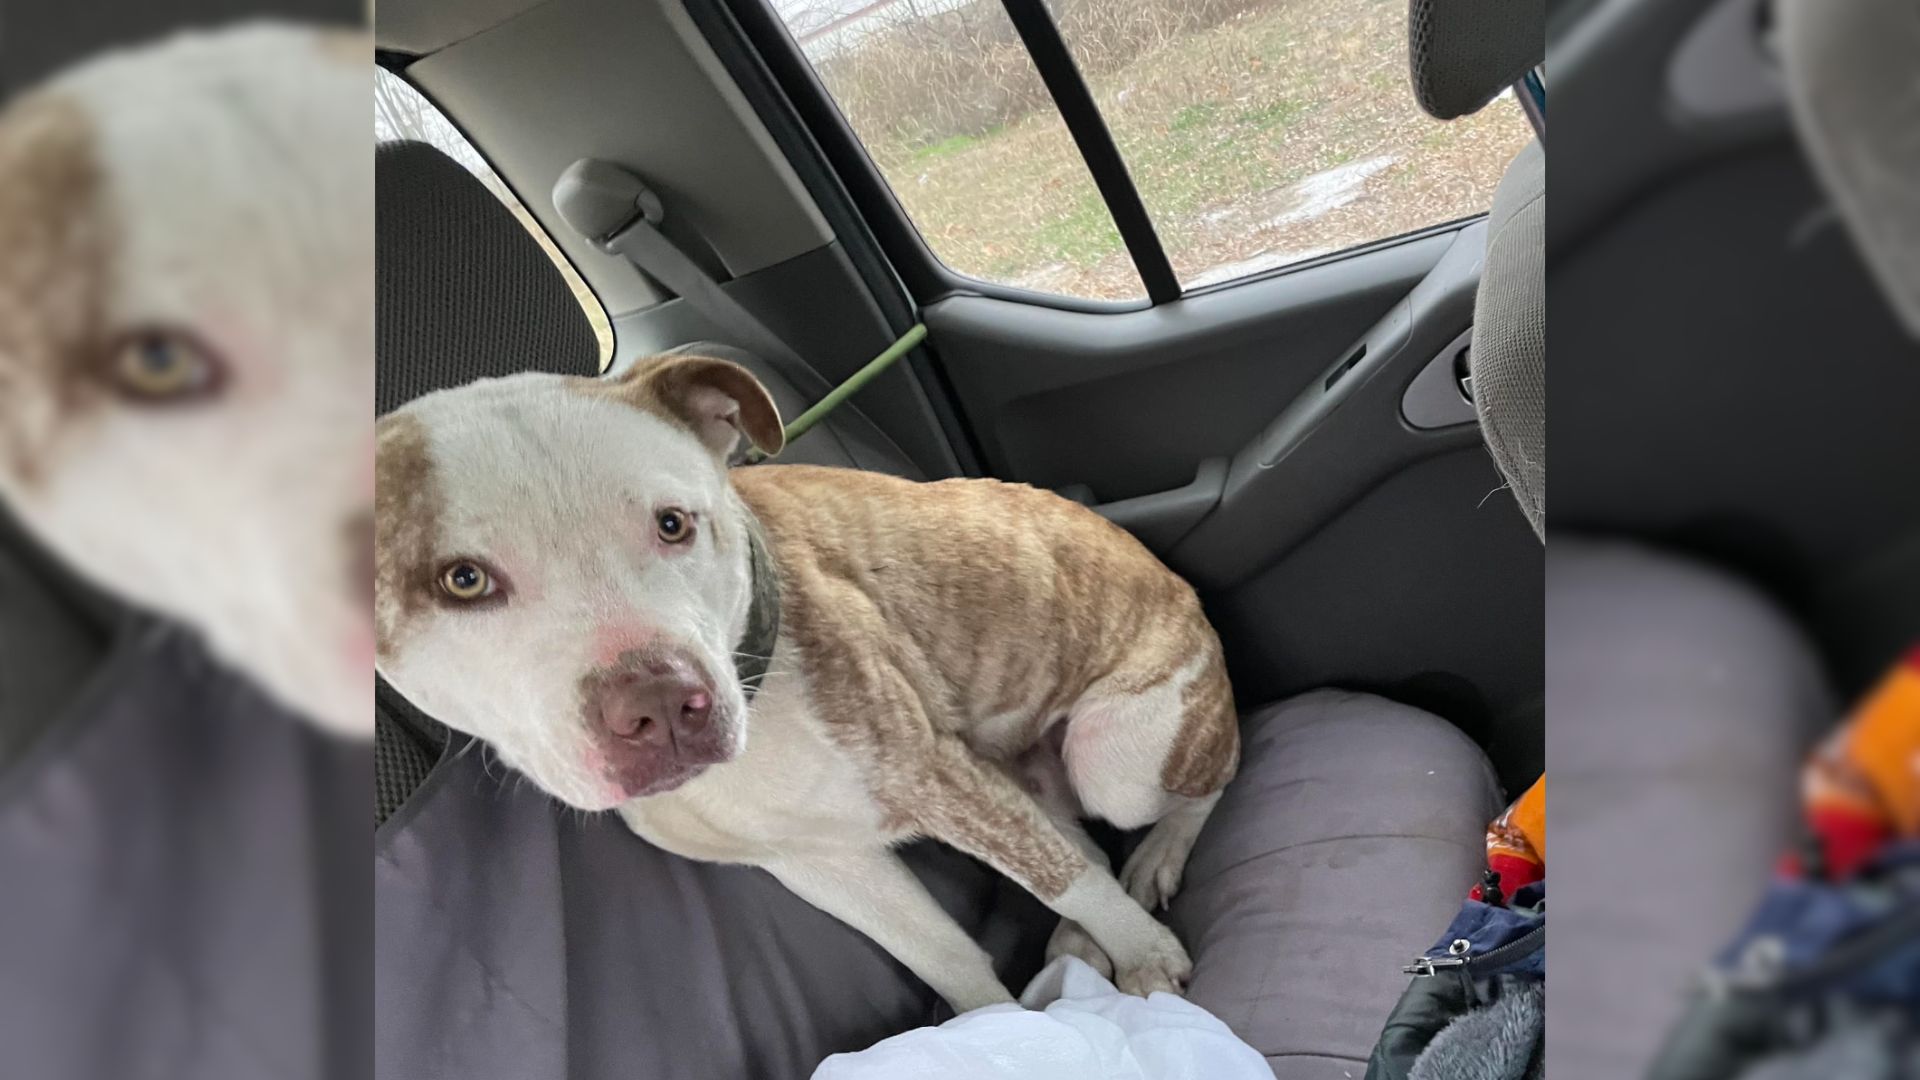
column 643, row 244
column 616, row 211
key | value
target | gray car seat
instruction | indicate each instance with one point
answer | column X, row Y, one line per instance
column 519, row 939
column 1462, row 54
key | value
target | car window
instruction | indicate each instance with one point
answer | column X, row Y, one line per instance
column 954, row 114
column 1264, row 132
column 1258, row 133
column 400, row 112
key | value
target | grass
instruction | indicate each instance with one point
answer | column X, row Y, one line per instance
column 1193, row 116
column 1217, row 128
column 952, row 144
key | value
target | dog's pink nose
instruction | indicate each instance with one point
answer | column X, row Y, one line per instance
column 653, row 710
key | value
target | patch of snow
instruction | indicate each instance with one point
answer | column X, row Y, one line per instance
column 1324, row 192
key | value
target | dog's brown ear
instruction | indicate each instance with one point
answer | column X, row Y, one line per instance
column 718, row 399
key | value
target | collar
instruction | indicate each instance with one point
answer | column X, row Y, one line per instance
column 754, row 653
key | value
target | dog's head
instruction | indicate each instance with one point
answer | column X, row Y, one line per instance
column 186, row 344
column 564, row 570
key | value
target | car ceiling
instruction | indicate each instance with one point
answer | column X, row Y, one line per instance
column 418, row 27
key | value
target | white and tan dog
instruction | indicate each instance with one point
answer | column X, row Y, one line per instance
column 798, row 668
column 186, row 344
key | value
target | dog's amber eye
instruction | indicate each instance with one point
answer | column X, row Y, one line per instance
column 675, row 525
column 466, row 581
column 161, row 365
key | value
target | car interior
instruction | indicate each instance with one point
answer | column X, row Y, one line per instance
column 1301, row 444
column 1729, row 382
column 1339, row 442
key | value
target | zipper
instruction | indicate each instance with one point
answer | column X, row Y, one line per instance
column 1425, row 966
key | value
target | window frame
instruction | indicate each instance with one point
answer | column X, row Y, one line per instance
column 752, row 33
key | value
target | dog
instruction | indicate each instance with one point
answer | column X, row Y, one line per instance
column 799, row 668
column 186, row 345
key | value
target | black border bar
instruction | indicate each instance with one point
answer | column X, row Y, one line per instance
column 1089, row 130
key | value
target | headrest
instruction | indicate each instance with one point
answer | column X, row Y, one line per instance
column 1464, row 52
column 465, row 292
column 1850, row 80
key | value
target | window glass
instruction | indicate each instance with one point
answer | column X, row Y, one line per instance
column 952, row 110
column 399, row 112
column 1264, row 132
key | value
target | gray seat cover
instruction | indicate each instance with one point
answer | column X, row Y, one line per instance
column 1682, row 704
column 182, row 881
column 517, row 939
column 1344, row 847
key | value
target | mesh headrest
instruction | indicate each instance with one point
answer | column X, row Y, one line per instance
column 465, row 291
column 1509, row 352
column 1464, row 52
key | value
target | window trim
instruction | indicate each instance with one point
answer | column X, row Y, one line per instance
column 1051, row 57
column 753, row 31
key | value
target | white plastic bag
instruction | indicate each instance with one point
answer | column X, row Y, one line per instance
column 1087, row 1031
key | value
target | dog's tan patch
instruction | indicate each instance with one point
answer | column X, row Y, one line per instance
column 1206, row 752
column 1020, row 603
column 407, row 508
column 53, row 277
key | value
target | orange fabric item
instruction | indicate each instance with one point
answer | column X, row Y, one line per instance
column 1862, row 786
column 1517, row 841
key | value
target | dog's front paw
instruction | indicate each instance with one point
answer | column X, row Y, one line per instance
column 1165, row 966
column 1072, row 939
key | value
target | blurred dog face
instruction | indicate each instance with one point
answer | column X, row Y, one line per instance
column 186, row 345
column 565, row 571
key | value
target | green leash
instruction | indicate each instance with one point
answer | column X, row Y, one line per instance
column 805, row 421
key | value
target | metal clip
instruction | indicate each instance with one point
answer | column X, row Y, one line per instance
column 1425, row 966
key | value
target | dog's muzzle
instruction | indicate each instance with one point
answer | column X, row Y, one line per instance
column 656, row 721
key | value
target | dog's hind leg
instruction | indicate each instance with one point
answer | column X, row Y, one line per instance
column 1157, row 756
column 980, row 808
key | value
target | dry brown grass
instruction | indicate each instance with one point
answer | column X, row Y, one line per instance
column 1226, row 120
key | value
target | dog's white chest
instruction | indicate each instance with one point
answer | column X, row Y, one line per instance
column 793, row 790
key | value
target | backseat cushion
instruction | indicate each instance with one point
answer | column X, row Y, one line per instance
column 1353, row 832
column 1683, row 703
